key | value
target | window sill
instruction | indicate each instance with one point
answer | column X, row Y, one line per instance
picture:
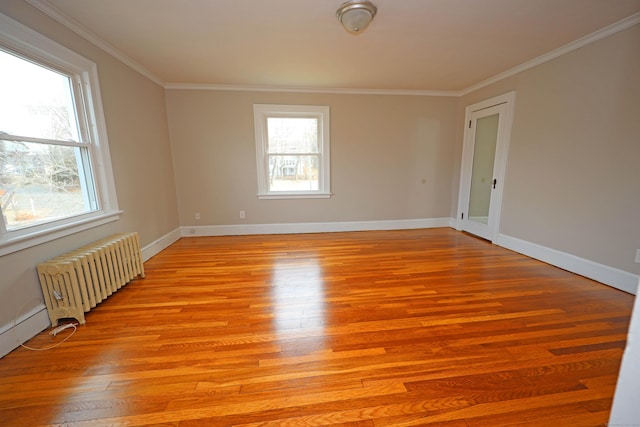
column 297, row 195
column 9, row 245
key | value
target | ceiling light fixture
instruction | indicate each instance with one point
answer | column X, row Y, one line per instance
column 355, row 15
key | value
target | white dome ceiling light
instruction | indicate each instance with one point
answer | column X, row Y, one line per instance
column 355, row 15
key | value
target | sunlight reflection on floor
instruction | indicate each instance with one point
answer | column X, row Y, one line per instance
column 298, row 295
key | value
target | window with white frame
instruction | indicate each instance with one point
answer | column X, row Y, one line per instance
column 292, row 150
column 55, row 174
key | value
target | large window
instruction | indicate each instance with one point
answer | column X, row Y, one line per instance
column 292, row 150
column 54, row 163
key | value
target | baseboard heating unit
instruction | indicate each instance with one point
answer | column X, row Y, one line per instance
column 75, row 282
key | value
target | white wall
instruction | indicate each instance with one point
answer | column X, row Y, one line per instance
column 626, row 401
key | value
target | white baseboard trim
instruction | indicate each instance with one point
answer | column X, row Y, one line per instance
column 619, row 279
column 26, row 327
column 160, row 244
column 313, row 227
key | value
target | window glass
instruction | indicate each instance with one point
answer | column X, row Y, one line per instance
column 36, row 101
column 293, row 173
column 292, row 135
column 42, row 182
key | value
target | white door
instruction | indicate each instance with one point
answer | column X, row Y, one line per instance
column 484, row 156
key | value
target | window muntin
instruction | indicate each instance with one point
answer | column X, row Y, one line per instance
column 292, row 149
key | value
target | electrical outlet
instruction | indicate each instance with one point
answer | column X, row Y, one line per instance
column 242, row 215
column 197, row 216
column 638, row 256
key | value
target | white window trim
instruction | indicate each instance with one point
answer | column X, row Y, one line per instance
column 21, row 39
column 260, row 114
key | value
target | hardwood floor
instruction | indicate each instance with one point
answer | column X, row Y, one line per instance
column 390, row 328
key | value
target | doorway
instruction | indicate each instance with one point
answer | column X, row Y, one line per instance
column 484, row 160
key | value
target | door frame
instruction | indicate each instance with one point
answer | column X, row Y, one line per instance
column 507, row 104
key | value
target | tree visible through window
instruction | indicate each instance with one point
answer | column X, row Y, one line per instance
column 45, row 165
column 292, row 148
column 293, row 154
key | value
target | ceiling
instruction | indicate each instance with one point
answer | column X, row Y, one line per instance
column 411, row 45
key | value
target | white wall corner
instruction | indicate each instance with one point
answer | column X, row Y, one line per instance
column 160, row 244
column 619, row 279
column 23, row 329
column 315, row 227
column 625, row 410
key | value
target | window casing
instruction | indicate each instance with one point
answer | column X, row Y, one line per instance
column 55, row 170
column 292, row 151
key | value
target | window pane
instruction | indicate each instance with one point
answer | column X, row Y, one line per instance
column 35, row 102
column 293, row 173
column 292, row 135
column 40, row 182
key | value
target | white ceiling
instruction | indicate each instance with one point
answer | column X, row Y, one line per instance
column 411, row 45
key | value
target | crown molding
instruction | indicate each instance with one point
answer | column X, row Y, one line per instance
column 47, row 8
column 563, row 50
column 299, row 89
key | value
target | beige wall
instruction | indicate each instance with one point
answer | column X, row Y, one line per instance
column 573, row 171
column 391, row 158
column 141, row 156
